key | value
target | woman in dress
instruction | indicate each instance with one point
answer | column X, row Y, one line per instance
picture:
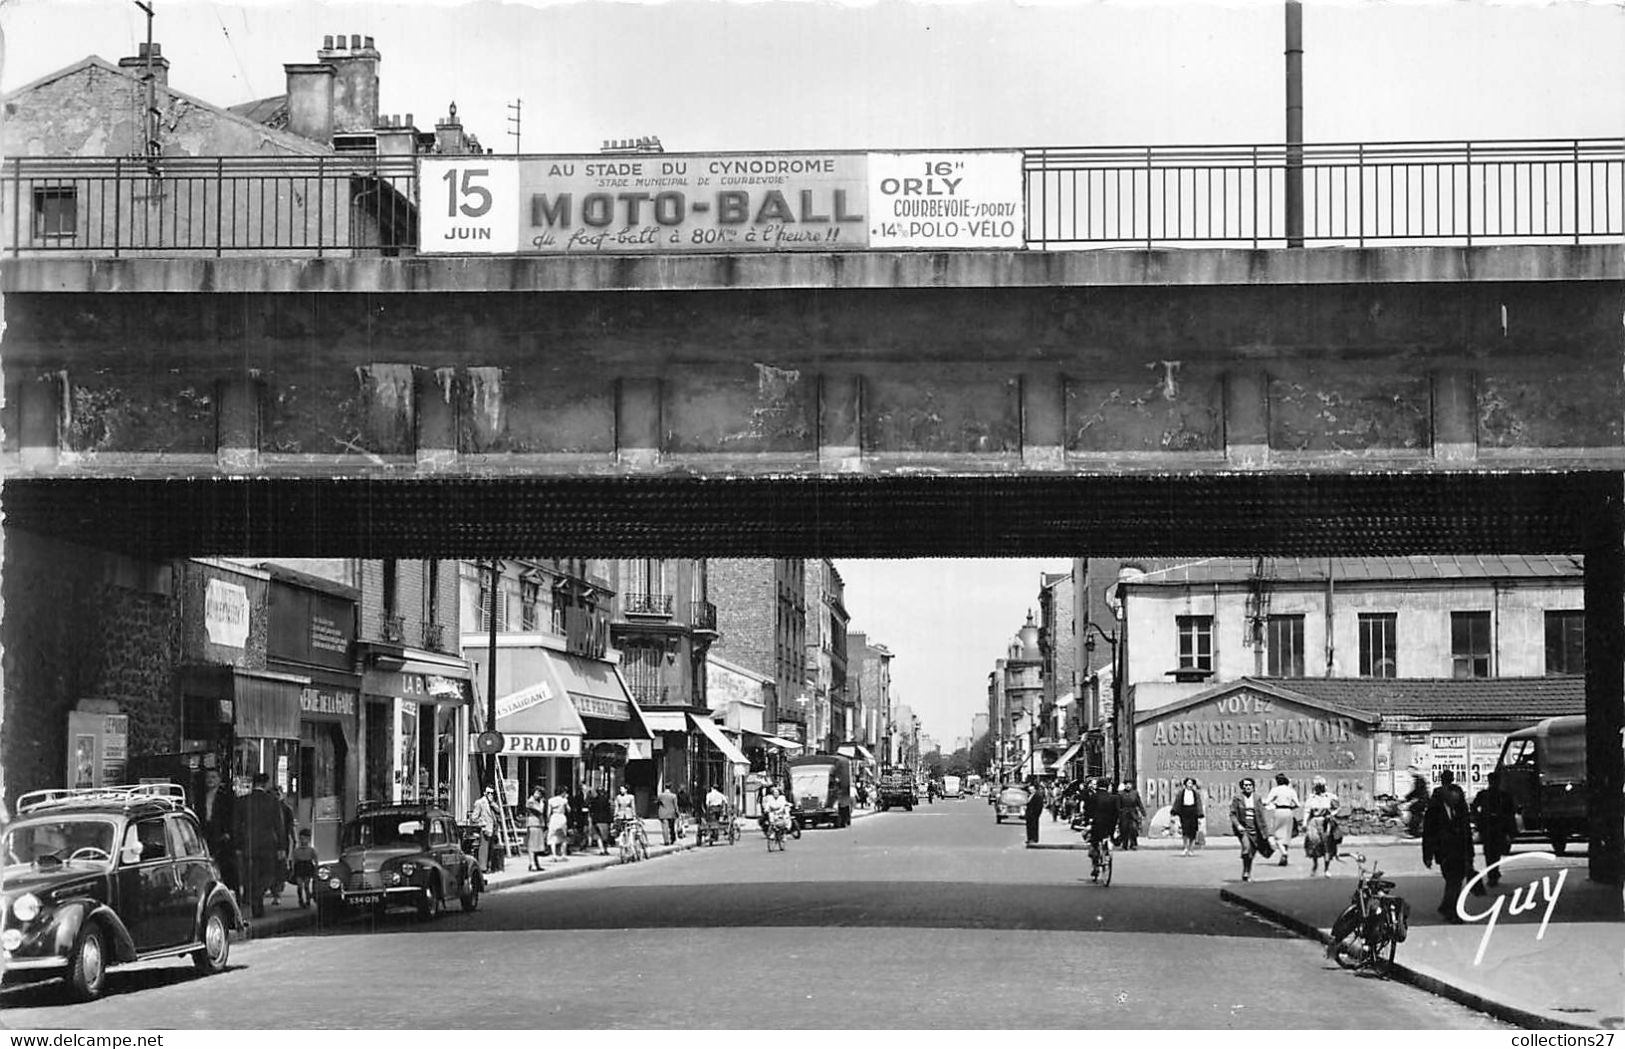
column 536, row 826
column 1187, row 808
column 1320, row 831
column 1283, row 802
column 558, row 822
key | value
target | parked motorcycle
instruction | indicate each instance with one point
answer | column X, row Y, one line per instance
column 1374, row 923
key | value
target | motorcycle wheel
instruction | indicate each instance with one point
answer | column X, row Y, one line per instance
column 795, row 831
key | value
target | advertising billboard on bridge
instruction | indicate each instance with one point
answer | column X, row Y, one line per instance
column 669, row 203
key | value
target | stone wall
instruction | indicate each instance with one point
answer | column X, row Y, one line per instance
column 83, row 625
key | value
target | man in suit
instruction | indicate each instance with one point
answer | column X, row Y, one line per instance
column 218, row 811
column 261, row 826
column 1447, row 836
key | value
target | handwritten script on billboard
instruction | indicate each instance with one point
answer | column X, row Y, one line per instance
column 663, row 203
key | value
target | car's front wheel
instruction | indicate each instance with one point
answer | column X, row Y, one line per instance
column 470, row 899
column 428, row 905
column 87, row 966
column 211, row 957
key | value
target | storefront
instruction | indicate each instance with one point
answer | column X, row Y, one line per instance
column 248, row 719
column 415, row 726
column 568, row 721
column 724, row 764
column 1250, row 729
column 311, row 633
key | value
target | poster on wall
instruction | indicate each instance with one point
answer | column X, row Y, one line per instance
column 98, row 752
column 946, row 200
column 642, row 204
column 225, row 613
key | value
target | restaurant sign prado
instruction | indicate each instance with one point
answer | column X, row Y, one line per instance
column 1245, row 732
column 662, row 203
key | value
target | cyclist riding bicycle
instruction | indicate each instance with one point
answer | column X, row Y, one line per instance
column 716, row 803
column 1102, row 824
column 776, row 809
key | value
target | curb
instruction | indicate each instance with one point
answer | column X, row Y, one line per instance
column 1423, row 979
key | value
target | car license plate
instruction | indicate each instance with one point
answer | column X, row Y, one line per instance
column 368, row 897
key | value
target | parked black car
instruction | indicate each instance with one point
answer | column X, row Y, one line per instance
column 406, row 854
column 105, row 877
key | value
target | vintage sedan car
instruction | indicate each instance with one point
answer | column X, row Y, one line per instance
column 1012, row 802
column 106, row 877
column 407, row 854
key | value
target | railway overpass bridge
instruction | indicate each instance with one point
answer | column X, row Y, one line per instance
column 1436, row 370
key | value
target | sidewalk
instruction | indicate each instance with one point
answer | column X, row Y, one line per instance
column 1573, row 976
column 289, row 916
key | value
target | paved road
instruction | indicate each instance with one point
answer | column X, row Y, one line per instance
column 935, row 918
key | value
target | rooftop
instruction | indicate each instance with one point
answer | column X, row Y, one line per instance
column 1365, row 569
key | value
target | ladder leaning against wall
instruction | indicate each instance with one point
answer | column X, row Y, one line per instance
column 509, row 837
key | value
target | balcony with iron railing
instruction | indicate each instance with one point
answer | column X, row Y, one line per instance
column 434, row 636
column 648, row 694
column 702, row 616
column 393, row 628
column 1354, row 194
column 635, row 603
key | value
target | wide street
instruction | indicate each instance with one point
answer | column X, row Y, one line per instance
column 936, row 919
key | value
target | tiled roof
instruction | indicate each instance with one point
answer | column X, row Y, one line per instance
column 272, row 111
column 1358, row 569
column 1447, row 699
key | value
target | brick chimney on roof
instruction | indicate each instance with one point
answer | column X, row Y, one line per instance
column 136, row 65
column 355, row 82
column 310, row 100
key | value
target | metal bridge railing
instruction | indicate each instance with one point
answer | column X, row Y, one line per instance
column 262, row 206
column 1355, row 194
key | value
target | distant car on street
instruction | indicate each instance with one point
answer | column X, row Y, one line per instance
column 1012, row 802
column 96, row 878
column 393, row 855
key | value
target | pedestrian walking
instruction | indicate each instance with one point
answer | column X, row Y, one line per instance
column 685, row 809
column 580, row 821
column 666, row 812
column 260, row 827
column 1034, row 810
column 1283, row 803
column 290, row 838
column 558, row 823
column 1248, row 822
column 598, row 807
column 485, row 815
column 1188, row 810
column 536, row 826
column 304, row 868
column 219, row 811
column 1416, row 803
column 1321, row 833
column 1447, row 838
column 1497, row 821
column 1130, row 815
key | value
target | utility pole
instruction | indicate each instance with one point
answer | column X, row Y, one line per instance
column 153, row 147
column 517, row 106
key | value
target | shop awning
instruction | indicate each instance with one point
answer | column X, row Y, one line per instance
column 666, row 720
column 539, row 709
column 778, row 743
column 718, row 740
column 855, row 750
column 264, row 704
column 1071, row 752
column 594, row 686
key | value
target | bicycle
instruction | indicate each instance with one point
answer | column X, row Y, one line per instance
column 632, row 839
column 1100, row 856
column 776, row 831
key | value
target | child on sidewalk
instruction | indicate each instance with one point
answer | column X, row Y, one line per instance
column 304, row 867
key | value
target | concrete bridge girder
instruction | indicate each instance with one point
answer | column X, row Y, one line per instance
column 1399, row 358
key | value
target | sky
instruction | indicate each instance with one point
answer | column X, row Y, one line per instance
column 945, row 622
column 708, row 75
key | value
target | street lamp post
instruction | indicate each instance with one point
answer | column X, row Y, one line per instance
column 1117, row 692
